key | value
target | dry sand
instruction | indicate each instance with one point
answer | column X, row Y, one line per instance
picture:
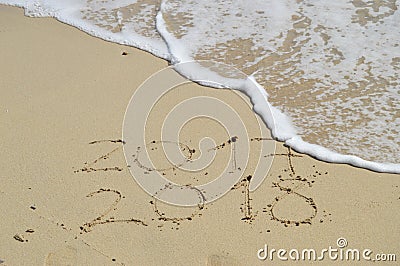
column 62, row 89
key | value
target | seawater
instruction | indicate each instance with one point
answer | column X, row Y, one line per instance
column 330, row 70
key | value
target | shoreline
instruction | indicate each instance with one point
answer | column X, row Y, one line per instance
column 62, row 93
column 284, row 132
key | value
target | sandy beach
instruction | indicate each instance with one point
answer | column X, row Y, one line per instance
column 68, row 198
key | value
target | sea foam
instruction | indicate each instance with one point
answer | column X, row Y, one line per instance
column 323, row 76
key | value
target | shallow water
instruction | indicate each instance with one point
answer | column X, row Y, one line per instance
column 333, row 67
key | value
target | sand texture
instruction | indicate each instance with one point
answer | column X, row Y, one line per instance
column 68, row 198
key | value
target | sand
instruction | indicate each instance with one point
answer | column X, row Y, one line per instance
column 68, row 201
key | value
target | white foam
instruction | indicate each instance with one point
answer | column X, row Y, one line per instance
column 264, row 23
column 279, row 124
column 326, row 155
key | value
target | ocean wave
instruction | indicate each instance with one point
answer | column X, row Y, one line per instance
column 330, row 71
